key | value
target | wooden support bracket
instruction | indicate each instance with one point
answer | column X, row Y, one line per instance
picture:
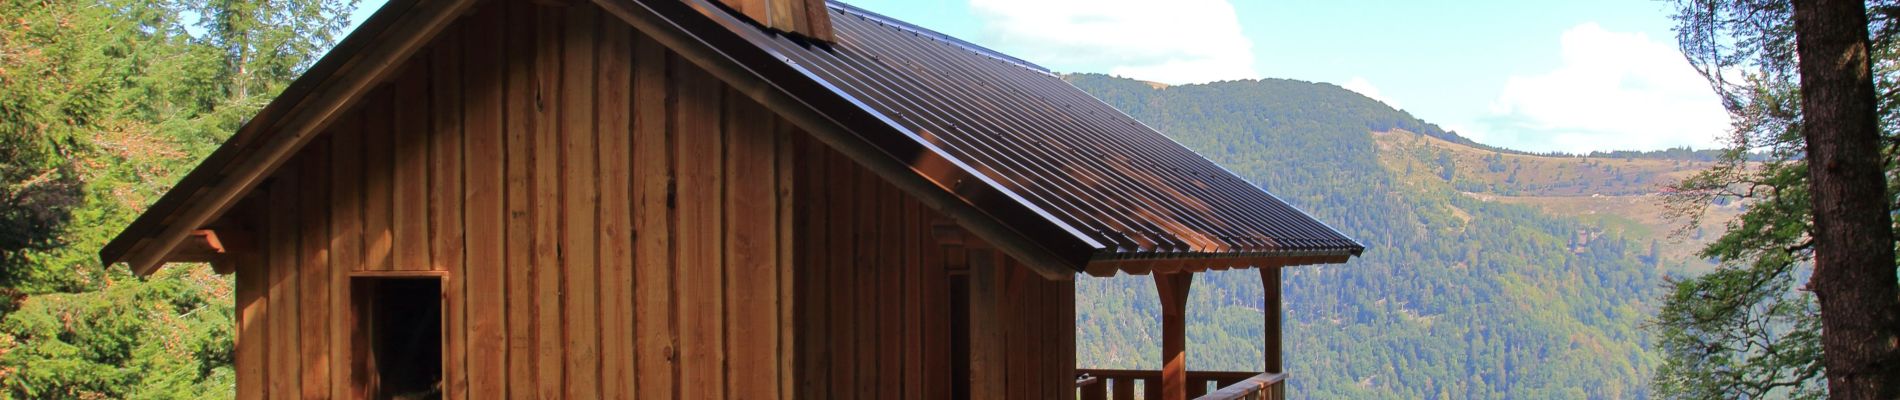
column 220, row 247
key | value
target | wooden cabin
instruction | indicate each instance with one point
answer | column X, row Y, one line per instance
column 688, row 199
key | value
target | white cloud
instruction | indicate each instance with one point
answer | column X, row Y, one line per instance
column 1364, row 87
column 1613, row 91
column 1175, row 42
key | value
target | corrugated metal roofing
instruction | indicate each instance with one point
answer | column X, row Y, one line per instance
column 1079, row 161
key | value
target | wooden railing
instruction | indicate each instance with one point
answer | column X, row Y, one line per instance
column 1266, row 386
column 1121, row 384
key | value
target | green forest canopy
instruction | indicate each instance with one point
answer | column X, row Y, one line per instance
column 103, row 105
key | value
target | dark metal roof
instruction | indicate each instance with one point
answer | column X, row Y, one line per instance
column 1077, row 161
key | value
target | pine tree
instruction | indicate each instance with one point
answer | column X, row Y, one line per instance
column 1747, row 329
column 105, row 104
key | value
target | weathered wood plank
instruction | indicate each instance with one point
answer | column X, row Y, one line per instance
column 521, row 103
column 1065, row 330
column 253, row 323
column 346, row 238
column 890, row 268
column 812, row 287
column 1057, row 332
column 286, row 372
column 656, row 331
column 580, row 204
column 410, row 177
column 988, row 366
column 378, row 149
column 787, row 300
column 913, row 270
column 484, row 276
column 936, row 308
column 314, row 272
column 1014, row 319
column 751, row 287
column 446, row 229
column 841, row 267
column 864, row 267
column 363, row 373
column 614, row 132
column 545, row 204
column 1026, row 345
column 702, row 341
column 1053, row 327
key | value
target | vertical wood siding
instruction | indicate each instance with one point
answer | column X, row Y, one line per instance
column 872, row 306
column 540, row 160
column 610, row 221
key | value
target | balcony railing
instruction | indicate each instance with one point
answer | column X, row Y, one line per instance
column 1121, row 384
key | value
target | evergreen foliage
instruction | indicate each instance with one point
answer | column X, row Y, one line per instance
column 1751, row 328
column 103, row 105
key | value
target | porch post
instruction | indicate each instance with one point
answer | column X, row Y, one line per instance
column 1173, row 288
column 1270, row 283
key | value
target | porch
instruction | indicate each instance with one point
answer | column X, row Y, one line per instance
column 1174, row 381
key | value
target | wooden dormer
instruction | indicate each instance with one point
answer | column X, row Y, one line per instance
column 807, row 18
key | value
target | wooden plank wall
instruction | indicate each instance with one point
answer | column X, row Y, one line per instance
column 872, row 280
column 1031, row 350
column 609, row 221
column 612, row 222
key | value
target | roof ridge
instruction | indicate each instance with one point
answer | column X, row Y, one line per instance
column 938, row 36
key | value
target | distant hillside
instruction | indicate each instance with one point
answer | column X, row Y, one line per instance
column 1474, row 284
column 1619, row 194
column 1474, row 169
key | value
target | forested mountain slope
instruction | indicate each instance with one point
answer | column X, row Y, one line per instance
column 1456, row 296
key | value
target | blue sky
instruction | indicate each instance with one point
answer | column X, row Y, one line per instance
column 1539, row 75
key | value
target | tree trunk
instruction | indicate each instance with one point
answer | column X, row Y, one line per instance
column 1853, row 245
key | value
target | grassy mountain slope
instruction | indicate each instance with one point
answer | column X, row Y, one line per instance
column 1457, row 296
column 1621, row 194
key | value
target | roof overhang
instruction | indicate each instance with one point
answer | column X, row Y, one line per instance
column 701, row 32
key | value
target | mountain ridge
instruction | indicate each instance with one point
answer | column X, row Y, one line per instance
column 1457, row 296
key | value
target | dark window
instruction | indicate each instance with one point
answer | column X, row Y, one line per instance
column 398, row 337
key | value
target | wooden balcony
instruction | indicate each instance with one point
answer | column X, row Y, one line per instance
column 1121, row 384
column 1174, row 381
